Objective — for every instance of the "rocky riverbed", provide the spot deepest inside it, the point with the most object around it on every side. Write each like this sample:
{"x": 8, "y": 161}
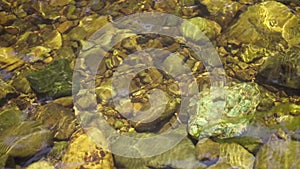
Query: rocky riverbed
{"x": 45, "y": 119}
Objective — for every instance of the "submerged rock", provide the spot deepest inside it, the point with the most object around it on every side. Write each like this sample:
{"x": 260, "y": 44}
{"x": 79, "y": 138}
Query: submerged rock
{"x": 8, "y": 59}
{"x": 23, "y": 140}
{"x": 21, "y": 84}
{"x": 235, "y": 156}
{"x": 60, "y": 120}
{"x": 205, "y": 27}
{"x": 83, "y": 152}
{"x": 52, "y": 39}
{"x": 224, "y": 119}
{"x": 208, "y": 151}
{"x": 6, "y": 89}
{"x": 181, "y": 156}
{"x": 54, "y": 80}
{"x": 10, "y": 117}
{"x": 282, "y": 69}
{"x": 284, "y": 118}
{"x": 222, "y": 11}
{"x": 291, "y": 30}
{"x": 57, "y": 152}
{"x": 267, "y": 26}
{"x": 279, "y": 154}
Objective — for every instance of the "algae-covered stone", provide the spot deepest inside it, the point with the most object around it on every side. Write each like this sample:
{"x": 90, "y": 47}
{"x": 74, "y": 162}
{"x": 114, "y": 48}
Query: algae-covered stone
{"x": 291, "y": 30}
{"x": 92, "y": 23}
{"x": 83, "y": 152}
{"x": 208, "y": 150}
{"x": 283, "y": 69}
{"x": 181, "y": 156}
{"x": 266, "y": 17}
{"x": 285, "y": 116}
{"x": 236, "y": 156}
{"x": 224, "y": 119}
{"x": 60, "y": 120}
{"x": 279, "y": 154}
{"x": 251, "y": 144}
{"x": 262, "y": 27}
{"x": 5, "y": 89}
{"x": 10, "y": 117}
{"x": 204, "y": 27}
{"x": 23, "y": 140}
{"x": 54, "y": 80}
{"x": 222, "y": 11}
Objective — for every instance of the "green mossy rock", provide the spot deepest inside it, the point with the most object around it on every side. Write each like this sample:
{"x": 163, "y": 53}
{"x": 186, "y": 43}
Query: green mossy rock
{"x": 53, "y": 81}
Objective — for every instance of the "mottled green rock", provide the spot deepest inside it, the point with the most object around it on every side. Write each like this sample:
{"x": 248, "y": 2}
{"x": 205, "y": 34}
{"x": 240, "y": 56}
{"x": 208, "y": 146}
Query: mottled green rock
{"x": 54, "y": 80}
{"x": 279, "y": 154}
{"x": 224, "y": 119}
{"x": 205, "y": 27}
{"x": 77, "y": 33}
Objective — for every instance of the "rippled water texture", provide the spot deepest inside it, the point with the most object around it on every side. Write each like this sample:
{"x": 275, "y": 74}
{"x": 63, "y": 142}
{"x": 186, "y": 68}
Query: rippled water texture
{"x": 143, "y": 84}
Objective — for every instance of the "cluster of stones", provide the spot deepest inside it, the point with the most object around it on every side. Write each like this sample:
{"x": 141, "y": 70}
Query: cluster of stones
{"x": 40, "y": 41}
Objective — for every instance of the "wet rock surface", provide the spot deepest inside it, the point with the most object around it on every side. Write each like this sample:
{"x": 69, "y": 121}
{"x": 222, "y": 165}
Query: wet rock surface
{"x": 6, "y": 89}
{"x": 283, "y": 69}
{"x": 60, "y": 120}
{"x": 21, "y": 138}
{"x": 83, "y": 152}
{"x": 224, "y": 118}
{"x": 257, "y": 42}
{"x": 54, "y": 80}
{"x": 183, "y": 155}
{"x": 278, "y": 154}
